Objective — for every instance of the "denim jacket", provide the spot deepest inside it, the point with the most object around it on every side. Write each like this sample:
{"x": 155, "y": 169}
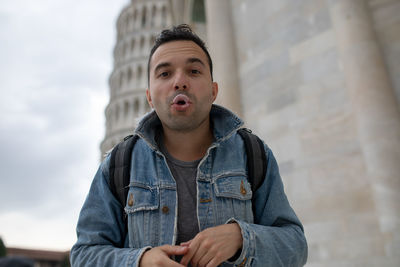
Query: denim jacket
{"x": 273, "y": 236}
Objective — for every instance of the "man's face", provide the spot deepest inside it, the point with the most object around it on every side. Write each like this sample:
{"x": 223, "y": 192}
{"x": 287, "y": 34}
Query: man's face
{"x": 180, "y": 86}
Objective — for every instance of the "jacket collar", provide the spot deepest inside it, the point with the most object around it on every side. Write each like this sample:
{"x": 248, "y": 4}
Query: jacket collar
{"x": 223, "y": 121}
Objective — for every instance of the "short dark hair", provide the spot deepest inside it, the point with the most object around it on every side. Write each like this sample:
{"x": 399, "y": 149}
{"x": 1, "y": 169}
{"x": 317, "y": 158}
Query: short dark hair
{"x": 182, "y": 32}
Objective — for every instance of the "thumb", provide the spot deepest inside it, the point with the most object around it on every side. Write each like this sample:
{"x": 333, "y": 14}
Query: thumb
{"x": 174, "y": 250}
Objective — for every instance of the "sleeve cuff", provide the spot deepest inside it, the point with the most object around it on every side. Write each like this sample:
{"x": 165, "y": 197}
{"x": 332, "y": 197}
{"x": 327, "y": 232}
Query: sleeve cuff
{"x": 138, "y": 257}
{"x": 242, "y": 257}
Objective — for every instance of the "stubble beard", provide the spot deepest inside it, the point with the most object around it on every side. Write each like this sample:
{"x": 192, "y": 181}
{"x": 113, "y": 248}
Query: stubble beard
{"x": 183, "y": 123}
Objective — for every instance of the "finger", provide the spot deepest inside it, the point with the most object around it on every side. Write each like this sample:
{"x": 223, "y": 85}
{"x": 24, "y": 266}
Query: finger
{"x": 174, "y": 264}
{"x": 213, "y": 263}
{"x": 202, "y": 252}
{"x": 187, "y": 243}
{"x": 205, "y": 259}
{"x": 174, "y": 250}
{"x": 193, "y": 246}
{"x": 159, "y": 257}
{"x": 170, "y": 263}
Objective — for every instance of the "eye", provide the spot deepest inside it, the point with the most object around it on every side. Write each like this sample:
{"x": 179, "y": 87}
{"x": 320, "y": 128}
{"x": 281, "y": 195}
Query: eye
{"x": 195, "y": 71}
{"x": 164, "y": 74}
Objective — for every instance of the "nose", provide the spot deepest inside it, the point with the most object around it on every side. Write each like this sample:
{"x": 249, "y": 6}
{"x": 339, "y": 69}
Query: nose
{"x": 183, "y": 87}
{"x": 180, "y": 81}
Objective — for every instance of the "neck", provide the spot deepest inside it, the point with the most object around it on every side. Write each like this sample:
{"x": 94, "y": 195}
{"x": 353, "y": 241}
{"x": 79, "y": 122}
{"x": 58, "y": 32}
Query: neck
{"x": 188, "y": 146}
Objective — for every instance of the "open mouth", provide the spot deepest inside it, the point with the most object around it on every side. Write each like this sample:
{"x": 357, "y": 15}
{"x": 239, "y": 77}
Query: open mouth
{"x": 181, "y": 100}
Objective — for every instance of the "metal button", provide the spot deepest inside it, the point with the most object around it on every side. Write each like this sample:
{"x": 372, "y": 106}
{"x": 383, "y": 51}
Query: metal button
{"x": 130, "y": 200}
{"x": 242, "y": 189}
{"x": 165, "y": 209}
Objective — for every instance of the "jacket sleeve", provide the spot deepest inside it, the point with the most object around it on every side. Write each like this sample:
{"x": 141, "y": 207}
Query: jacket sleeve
{"x": 101, "y": 228}
{"x": 277, "y": 237}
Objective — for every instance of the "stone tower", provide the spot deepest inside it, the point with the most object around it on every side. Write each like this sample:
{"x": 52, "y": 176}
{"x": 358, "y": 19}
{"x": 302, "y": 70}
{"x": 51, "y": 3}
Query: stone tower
{"x": 137, "y": 27}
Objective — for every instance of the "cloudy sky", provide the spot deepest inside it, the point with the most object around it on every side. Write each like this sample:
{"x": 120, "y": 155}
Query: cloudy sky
{"x": 55, "y": 59}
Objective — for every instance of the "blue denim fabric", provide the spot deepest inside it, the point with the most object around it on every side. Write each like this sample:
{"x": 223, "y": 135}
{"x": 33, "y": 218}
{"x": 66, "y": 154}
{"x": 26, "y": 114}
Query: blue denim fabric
{"x": 273, "y": 236}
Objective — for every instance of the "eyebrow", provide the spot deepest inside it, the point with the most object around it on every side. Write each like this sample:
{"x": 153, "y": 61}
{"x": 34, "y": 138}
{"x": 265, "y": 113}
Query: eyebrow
{"x": 194, "y": 60}
{"x": 161, "y": 65}
{"x": 167, "y": 64}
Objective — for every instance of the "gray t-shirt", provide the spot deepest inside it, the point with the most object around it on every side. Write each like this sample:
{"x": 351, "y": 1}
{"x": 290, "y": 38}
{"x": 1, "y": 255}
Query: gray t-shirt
{"x": 184, "y": 174}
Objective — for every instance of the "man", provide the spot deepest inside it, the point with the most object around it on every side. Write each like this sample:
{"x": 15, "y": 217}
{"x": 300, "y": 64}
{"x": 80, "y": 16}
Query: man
{"x": 189, "y": 200}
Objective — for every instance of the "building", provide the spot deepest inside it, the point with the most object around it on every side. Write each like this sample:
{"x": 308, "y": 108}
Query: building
{"x": 319, "y": 81}
{"x": 41, "y": 258}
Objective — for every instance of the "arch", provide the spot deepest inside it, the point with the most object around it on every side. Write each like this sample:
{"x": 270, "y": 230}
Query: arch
{"x": 153, "y": 15}
{"x": 136, "y": 106}
{"x": 164, "y": 16}
{"x": 127, "y": 23}
{"x": 124, "y": 50}
{"x": 139, "y": 75}
{"x": 146, "y": 42}
{"x": 141, "y": 43}
{"x": 123, "y": 24}
{"x": 118, "y": 52}
{"x": 132, "y": 45}
{"x": 144, "y": 16}
{"x": 146, "y": 105}
{"x": 126, "y": 109}
{"x": 121, "y": 79}
{"x": 135, "y": 14}
{"x": 112, "y": 84}
{"x": 116, "y": 112}
{"x": 129, "y": 75}
{"x": 115, "y": 52}
{"x": 119, "y": 30}
{"x": 131, "y": 21}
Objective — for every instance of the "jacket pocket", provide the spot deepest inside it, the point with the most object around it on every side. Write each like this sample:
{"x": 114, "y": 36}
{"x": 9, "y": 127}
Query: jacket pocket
{"x": 233, "y": 198}
{"x": 142, "y": 210}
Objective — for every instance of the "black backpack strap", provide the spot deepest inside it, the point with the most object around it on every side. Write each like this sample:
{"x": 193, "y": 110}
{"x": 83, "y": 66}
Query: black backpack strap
{"x": 120, "y": 166}
{"x": 256, "y": 159}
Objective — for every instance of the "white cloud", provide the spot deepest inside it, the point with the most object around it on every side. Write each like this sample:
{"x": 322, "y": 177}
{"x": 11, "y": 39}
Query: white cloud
{"x": 56, "y": 57}
{"x": 37, "y": 233}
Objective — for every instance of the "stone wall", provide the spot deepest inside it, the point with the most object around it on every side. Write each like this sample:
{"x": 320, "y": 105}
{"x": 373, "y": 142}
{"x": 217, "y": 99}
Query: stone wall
{"x": 296, "y": 95}
{"x": 319, "y": 81}
{"x": 385, "y": 14}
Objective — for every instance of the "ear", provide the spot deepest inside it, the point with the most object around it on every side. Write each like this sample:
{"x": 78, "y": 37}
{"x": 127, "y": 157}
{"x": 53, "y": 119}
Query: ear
{"x": 214, "y": 90}
{"x": 148, "y": 96}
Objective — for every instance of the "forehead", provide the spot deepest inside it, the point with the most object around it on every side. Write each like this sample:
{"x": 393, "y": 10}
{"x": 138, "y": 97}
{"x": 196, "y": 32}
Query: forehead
{"x": 176, "y": 50}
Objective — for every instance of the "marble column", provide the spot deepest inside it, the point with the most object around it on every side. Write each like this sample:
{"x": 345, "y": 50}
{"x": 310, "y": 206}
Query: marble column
{"x": 375, "y": 107}
{"x": 221, "y": 42}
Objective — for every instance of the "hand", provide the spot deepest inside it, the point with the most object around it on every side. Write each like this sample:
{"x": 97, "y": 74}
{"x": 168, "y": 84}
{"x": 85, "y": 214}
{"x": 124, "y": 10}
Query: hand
{"x": 213, "y": 246}
{"x": 160, "y": 256}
